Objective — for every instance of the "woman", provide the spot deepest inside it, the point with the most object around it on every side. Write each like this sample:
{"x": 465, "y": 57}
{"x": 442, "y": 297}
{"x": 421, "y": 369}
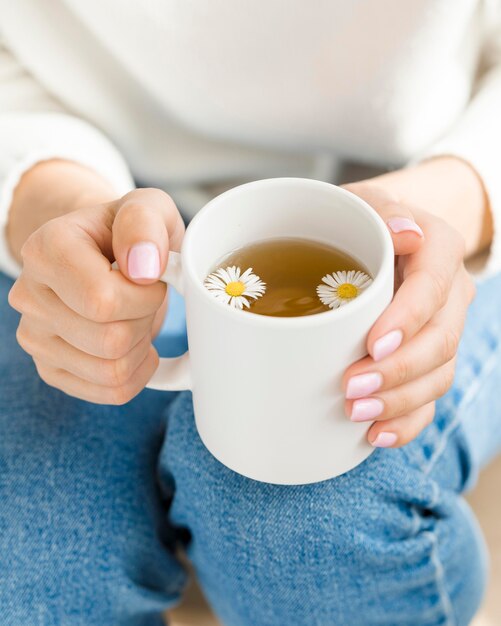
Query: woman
{"x": 189, "y": 98}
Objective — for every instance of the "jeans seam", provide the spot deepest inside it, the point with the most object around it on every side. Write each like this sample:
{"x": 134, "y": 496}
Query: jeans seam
{"x": 443, "y": 594}
{"x": 455, "y": 423}
{"x": 465, "y": 401}
{"x": 440, "y": 580}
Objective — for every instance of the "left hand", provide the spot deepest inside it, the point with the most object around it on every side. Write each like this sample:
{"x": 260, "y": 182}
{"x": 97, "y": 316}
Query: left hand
{"x": 412, "y": 346}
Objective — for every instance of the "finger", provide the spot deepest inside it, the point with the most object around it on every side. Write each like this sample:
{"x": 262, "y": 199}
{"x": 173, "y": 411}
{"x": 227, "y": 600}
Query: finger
{"x": 402, "y": 400}
{"x": 74, "y": 386}
{"x": 428, "y": 277}
{"x": 146, "y": 225}
{"x": 66, "y": 259}
{"x": 57, "y": 353}
{"x": 401, "y": 430}
{"x": 405, "y": 232}
{"x": 42, "y": 308}
{"x": 435, "y": 345}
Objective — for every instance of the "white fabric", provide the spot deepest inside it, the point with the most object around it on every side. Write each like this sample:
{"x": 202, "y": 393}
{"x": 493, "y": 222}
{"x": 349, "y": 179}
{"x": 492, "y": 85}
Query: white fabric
{"x": 194, "y": 93}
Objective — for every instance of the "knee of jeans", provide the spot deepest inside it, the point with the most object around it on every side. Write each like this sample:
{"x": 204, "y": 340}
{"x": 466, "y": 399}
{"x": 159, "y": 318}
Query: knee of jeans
{"x": 81, "y": 515}
{"x": 381, "y": 544}
{"x": 68, "y": 560}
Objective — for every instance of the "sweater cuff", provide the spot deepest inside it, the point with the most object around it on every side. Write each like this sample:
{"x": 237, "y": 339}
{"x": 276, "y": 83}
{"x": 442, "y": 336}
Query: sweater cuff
{"x": 29, "y": 138}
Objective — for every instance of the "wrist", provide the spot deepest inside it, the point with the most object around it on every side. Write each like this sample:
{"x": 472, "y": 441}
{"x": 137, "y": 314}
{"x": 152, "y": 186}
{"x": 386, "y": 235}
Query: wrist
{"x": 449, "y": 188}
{"x": 48, "y": 190}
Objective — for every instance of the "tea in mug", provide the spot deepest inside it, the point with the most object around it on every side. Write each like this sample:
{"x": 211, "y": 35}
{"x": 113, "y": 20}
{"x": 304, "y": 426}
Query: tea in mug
{"x": 287, "y": 277}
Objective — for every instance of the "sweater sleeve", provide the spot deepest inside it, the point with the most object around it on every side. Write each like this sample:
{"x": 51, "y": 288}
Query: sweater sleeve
{"x": 34, "y": 127}
{"x": 476, "y": 137}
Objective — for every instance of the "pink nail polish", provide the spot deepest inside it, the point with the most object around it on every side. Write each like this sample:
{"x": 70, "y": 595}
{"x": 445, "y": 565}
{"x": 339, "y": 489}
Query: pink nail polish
{"x": 387, "y": 344}
{"x": 384, "y": 440}
{"x": 144, "y": 261}
{"x": 403, "y": 224}
{"x": 363, "y": 385}
{"x": 366, "y": 409}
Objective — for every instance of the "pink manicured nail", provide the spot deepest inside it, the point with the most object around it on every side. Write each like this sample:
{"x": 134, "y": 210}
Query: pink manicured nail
{"x": 144, "y": 261}
{"x": 363, "y": 385}
{"x": 384, "y": 440}
{"x": 366, "y": 409}
{"x": 387, "y": 344}
{"x": 402, "y": 224}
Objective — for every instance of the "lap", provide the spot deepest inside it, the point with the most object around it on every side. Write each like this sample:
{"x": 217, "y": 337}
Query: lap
{"x": 389, "y": 543}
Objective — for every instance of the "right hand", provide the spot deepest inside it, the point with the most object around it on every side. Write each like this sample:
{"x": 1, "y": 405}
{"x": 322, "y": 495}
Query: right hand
{"x": 89, "y": 328}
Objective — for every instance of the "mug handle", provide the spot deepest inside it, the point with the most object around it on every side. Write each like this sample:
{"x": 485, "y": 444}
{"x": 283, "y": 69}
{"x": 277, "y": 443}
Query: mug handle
{"x": 172, "y": 374}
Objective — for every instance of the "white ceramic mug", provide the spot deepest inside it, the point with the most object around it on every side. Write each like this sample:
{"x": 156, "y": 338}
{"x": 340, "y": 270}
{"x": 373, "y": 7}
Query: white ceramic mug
{"x": 267, "y": 390}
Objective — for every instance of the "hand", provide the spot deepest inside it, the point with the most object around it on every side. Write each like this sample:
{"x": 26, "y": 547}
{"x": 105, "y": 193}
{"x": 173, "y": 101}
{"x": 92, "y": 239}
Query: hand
{"x": 89, "y": 328}
{"x": 413, "y": 345}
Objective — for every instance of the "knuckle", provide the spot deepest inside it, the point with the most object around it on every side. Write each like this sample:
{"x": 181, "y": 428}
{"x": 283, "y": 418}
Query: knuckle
{"x": 16, "y": 296}
{"x": 129, "y": 212}
{"x": 99, "y": 303}
{"x": 22, "y": 299}
{"x": 121, "y": 395}
{"x": 426, "y": 415}
{"x": 116, "y": 372}
{"x": 400, "y": 406}
{"x": 415, "y": 316}
{"x": 117, "y": 339}
{"x": 32, "y": 247}
{"x": 400, "y": 372}
{"x": 54, "y": 229}
{"x": 429, "y": 416}
{"x": 48, "y": 238}
{"x": 439, "y": 291}
{"x": 450, "y": 344}
{"x": 446, "y": 380}
{"x": 136, "y": 211}
{"x": 24, "y": 340}
{"x": 45, "y": 373}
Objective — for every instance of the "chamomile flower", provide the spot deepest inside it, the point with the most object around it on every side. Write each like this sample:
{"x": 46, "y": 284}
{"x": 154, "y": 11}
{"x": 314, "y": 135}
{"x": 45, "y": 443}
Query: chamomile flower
{"x": 339, "y": 288}
{"x": 230, "y": 286}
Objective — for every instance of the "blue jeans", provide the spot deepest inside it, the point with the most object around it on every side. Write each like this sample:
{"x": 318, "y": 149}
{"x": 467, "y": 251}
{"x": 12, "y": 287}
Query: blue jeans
{"x": 96, "y": 500}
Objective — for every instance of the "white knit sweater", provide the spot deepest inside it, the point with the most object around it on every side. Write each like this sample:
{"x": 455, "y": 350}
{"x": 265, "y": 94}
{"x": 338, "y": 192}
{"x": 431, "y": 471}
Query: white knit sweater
{"x": 181, "y": 94}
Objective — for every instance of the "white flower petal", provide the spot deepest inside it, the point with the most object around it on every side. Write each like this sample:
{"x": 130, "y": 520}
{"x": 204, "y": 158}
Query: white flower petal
{"x": 330, "y": 280}
{"x": 327, "y": 290}
{"x": 216, "y": 284}
{"x": 246, "y": 275}
{"x": 223, "y": 275}
{"x": 340, "y": 277}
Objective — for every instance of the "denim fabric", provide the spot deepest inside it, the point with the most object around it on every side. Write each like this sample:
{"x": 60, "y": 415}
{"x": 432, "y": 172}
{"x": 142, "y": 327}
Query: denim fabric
{"x": 95, "y": 499}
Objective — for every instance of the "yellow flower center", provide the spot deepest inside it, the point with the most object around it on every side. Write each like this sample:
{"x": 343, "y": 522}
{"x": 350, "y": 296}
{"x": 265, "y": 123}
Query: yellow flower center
{"x": 235, "y": 289}
{"x": 347, "y": 291}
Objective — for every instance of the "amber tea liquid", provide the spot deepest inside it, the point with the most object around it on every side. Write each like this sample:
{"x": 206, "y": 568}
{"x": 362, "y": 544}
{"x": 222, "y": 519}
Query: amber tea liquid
{"x": 292, "y": 268}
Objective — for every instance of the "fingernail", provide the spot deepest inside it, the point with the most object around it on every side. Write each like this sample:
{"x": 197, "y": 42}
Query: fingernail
{"x": 387, "y": 344}
{"x": 144, "y": 261}
{"x": 402, "y": 224}
{"x": 366, "y": 409}
{"x": 384, "y": 440}
{"x": 363, "y": 385}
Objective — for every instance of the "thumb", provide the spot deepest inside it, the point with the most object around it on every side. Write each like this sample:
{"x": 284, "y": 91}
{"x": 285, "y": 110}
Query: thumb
{"x": 405, "y": 232}
{"x": 147, "y": 224}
